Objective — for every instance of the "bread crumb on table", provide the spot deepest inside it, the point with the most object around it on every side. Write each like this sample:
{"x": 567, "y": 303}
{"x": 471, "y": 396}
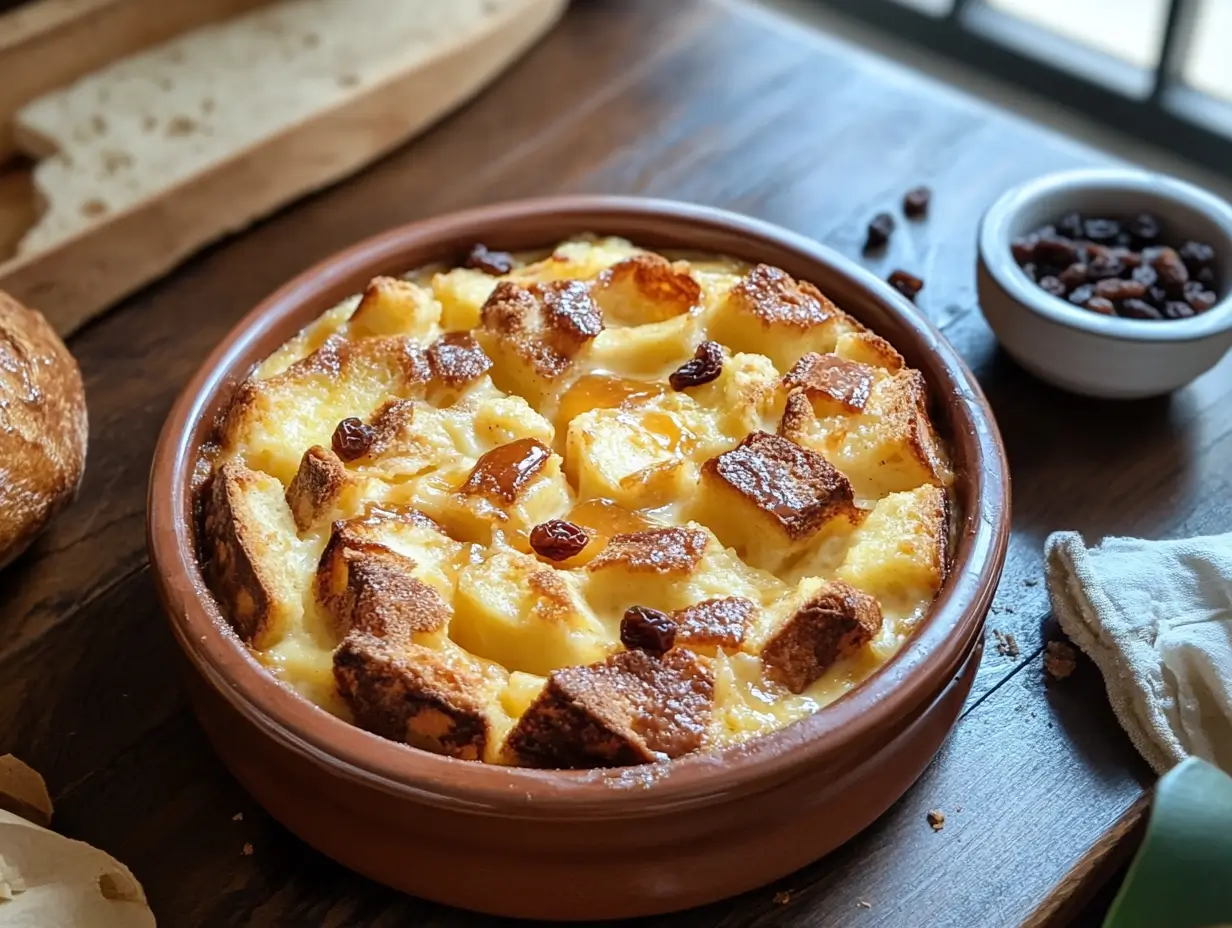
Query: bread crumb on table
{"x": 247, "y": 850}
{"x": 1060, "y": 660}
{"x": 1007, "y": 645}
{"x": 237, "y": 817}
{"x": 782, "y": 898}
{"x": 864, "y": 904}
{"x": 936, "y": 818}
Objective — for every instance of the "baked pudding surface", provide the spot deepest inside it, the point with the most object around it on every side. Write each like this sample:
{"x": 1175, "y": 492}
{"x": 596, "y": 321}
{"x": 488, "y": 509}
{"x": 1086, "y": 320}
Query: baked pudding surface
{"x": 593, "y": 507}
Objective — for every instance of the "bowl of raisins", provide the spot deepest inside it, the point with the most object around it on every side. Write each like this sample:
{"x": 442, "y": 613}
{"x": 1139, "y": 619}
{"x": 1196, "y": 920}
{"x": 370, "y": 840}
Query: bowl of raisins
{"x": 1110, "y": 282}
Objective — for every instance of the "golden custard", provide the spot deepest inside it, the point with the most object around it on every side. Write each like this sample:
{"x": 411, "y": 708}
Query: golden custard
{"x": 590, "y": 508}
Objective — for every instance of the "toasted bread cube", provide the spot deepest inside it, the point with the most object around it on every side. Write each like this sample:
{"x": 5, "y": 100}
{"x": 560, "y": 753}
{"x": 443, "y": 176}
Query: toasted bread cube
{"x": 322, "y": 490}
{"x": 834, "y": 621}
{"x": 645, "y": 288}
{"x": 270, "y": 421}
{"x": 664, "y": 551}
{"x": 391, "y": 306}
{"x": 834, "y": 385}
{"x": 513, "y": 610}
{"x": 768, "y": 496}
{"x": 871, "y": 349}
{"x": 899, "y": 554}
{"x": 629, "y": 709}
{"x": 534, "y": 333}
{"x": 456, "y": 360}
{"x": 367, "y": 587}
{"x": 437, "y": 700}
{"x": 772, "y": 314}
{"x": 631, "y": 456}
{"x": 887, "y": 447}
{"x": 648, "y": 568}
{"x": 714, "y": 623}
{"x": 427, "y": 553}
{"x": 462, "y": 293}
{"x": 254, "y": 559}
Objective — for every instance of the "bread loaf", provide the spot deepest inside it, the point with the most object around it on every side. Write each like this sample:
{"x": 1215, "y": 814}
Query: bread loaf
{"x": 42, "y": 426}
{"x": 142, "y": 125}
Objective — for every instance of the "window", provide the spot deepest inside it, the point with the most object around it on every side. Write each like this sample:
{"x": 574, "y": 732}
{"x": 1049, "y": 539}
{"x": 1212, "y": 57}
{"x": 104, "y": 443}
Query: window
{"x": 1157, "y": 69}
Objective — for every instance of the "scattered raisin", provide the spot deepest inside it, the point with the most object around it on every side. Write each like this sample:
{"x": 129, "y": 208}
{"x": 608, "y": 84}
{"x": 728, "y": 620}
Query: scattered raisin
{"x": 1139, "y": 309}
{"x": 1128, "y": 258}
{"x": 1116, "y": 289}
{"x": 1157, "y": 297}
{"x": 1145, "y": 275}
{"x": 880, "y": 228}
{"x": 906, "y": 284}
{"x": 1123, "y": 239}
{"x": 1031, "y": 271}
{"x": 1073, "y": 276}
{"x": 1101, "y": 305}
{"x": 1024, "y": 248}
{"x": 558, "y": 540}
{"x": 1101, "y": 267}
{"x": 1173, "y": 275}
{"x": 915, "y": 203}
{"x": 1199, "y": 297}
{"x": 1059, "y": 251}
{"x": 646, "y": 629}
{"x": 352, "y": 438}
{"x": 1175, "y": 309}
{"x": 1102, "y": 231}
{"x": 1095, "y": 250}
{"x": 1206, "y": 277}
{"x": 1070, "y": 225}
{"x": 1078, "y": 297}
{"x": 1052, "y": 285}
{"x": 490, "y": 262}
{"x": 705, "y": 366}
{"x": 1197, "y": 255}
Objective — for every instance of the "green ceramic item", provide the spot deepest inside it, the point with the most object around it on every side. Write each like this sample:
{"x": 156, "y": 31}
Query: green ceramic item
{"x": 1182, "y": 874}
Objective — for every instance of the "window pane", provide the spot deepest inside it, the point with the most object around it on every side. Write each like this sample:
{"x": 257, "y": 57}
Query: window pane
{"x": 932, "y": 7}
{"x": 1131, "y": 30}
{"x": 1208, "y": 67}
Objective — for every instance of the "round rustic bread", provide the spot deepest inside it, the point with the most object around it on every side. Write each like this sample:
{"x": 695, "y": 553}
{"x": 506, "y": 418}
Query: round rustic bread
{"x": 42, "y": 426}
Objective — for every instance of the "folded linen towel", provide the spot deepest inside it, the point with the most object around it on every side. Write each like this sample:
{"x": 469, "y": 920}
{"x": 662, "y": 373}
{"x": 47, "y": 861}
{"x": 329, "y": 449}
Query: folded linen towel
{"x": 1156, "y": 617}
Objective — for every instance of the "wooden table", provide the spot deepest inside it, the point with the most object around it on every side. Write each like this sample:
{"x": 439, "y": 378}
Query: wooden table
{"x": 697, "y": 100}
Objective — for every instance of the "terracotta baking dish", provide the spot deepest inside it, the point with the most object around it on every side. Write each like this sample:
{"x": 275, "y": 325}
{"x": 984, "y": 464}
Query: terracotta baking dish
{"x": 593, "y": 844}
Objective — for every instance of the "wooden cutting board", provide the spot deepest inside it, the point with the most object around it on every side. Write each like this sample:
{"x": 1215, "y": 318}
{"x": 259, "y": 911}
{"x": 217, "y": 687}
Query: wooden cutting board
{"x": 49, "y": 43}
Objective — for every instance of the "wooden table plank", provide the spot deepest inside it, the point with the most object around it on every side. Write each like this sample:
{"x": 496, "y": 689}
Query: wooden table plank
{"x": 694, "y": 100}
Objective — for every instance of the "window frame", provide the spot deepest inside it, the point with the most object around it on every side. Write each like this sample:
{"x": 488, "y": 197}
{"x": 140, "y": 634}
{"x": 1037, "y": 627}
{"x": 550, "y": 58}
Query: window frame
{"x": 1154, "y": 105}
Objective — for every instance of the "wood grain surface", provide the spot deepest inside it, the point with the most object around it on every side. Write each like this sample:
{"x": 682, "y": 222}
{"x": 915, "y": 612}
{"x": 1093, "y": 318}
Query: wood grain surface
{"x": 697, "y": 100}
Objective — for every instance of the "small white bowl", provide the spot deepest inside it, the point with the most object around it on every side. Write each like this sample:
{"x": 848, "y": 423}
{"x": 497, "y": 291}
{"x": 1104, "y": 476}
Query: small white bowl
{"x": 1083, "y": 351}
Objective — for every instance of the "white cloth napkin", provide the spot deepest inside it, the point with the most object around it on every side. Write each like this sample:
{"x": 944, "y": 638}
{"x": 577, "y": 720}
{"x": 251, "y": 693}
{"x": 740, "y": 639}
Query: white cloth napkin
{"x": 1156, "y": 617}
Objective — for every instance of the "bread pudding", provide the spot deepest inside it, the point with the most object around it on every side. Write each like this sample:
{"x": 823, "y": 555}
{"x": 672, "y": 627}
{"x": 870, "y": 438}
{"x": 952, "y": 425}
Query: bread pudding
{"x": 593, "y": 507}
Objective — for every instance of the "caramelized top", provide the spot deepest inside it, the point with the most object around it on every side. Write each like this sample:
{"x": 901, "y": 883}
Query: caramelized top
{"x": 501, "y": 474}
{"x": 797, "y": 487}
{"x": 587, "y": 508}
